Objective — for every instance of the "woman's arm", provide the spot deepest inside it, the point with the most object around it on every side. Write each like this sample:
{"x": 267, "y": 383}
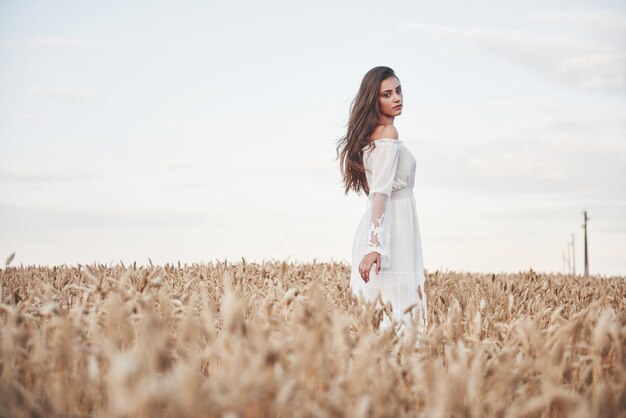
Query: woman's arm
{"x": 384, "y": 163}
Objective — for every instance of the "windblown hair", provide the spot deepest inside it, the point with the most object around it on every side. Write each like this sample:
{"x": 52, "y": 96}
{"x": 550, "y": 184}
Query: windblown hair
{"x": 363, "y": 119}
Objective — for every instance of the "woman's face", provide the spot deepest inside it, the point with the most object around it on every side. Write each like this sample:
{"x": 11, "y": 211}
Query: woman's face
{"x": 390, "y": 97}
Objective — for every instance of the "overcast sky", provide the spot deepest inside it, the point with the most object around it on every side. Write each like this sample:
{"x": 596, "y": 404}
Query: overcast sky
{"x": 197, "y": 131}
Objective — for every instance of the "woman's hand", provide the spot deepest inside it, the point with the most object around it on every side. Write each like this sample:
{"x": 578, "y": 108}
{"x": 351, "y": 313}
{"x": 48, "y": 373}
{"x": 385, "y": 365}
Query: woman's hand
{"x": 366, "y": 265}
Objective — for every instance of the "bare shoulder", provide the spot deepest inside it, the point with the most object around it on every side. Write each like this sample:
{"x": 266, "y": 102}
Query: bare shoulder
{"x": 385, "y": 131}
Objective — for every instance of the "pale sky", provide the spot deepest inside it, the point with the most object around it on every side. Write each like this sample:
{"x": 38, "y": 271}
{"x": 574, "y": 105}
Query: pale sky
{"x": 200, "y": 131}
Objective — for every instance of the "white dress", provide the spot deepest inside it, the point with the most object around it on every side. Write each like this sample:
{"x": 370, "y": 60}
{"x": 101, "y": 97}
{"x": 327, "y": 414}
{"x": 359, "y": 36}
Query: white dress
{"x": 390, "y": 228}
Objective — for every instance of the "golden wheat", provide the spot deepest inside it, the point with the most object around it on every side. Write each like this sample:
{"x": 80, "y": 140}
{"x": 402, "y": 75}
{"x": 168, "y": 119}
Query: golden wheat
{"x": 288, "y": 340}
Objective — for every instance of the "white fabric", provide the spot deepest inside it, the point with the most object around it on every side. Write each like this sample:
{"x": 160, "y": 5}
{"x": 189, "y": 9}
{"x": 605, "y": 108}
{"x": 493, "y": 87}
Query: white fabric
{"x": 390, "y": 227}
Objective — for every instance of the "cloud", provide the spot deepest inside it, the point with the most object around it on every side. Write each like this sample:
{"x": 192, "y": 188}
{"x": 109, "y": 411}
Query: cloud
{"x": 562, "y": 125}
{"x": 575, "y": 167}
{"x": 24, "y": 116}
{"x": 603, "y": 20}
{"x": 75, "y": 95}
{"x": 319, "y": 167}
{"x": 489, "y": 104}
{"x": 605, "y": 215}
{"x": 56, "y": 43}
{"x": 58, "y": 176}
{"x": 309, "y": 168}
{"x": 21, "y": 217}
{"x": 585, "y": 63}
{"x": 170, "y": 166}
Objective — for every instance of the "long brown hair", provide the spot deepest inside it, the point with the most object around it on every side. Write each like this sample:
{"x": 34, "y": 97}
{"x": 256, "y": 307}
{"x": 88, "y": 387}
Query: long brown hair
{"x": 364, "y": 117}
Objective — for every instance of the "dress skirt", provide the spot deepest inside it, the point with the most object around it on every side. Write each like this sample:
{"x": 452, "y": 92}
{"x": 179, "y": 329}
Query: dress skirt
{"x": 402, "y": 282}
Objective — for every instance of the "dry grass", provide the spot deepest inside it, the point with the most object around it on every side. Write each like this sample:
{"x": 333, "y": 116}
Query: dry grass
{"x": 289, "y": 340}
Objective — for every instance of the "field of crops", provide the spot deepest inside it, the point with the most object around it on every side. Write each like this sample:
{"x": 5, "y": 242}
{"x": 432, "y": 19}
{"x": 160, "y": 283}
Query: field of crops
{"x": 289, "y": 340}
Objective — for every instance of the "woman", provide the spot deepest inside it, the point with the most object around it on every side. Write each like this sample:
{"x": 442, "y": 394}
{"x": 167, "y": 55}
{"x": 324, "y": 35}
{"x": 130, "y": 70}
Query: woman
{"x": 374, "y": 160}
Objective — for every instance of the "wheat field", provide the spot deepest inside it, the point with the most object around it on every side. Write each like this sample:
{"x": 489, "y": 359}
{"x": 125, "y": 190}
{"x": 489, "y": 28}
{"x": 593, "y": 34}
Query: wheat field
{"x": 278, "y": 339}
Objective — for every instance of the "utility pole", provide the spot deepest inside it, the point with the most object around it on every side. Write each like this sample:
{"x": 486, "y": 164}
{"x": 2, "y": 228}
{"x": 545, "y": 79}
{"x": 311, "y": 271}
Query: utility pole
{"x": 586, "y": 256}
{"x": 568, "y": 256}
{"x": 573, "y": 257}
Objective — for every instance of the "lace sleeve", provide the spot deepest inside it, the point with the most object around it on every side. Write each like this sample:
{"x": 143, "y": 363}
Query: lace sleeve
{"x": 384, "y": 164}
